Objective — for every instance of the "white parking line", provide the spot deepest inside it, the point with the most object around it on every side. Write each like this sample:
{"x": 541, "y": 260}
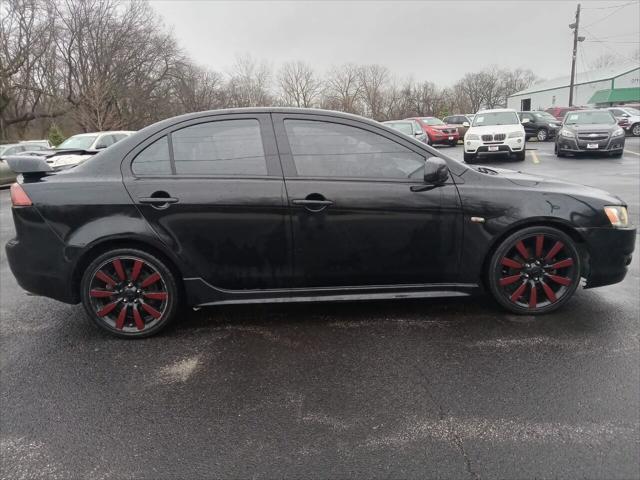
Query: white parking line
{"x": 634, "y": 153}
{"x": 535, "y": 159}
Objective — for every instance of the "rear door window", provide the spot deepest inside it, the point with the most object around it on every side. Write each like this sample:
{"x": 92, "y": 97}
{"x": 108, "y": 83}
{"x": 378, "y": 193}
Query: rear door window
{"x": 223, "y": 147}
{"x": 153, "y": 160}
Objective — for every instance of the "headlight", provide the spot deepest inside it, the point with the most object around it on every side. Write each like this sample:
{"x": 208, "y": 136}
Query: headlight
{"x": 567, "y": 133}
{"x": 472, "y": 136}
{"x": 516, "y": 134}
{"x": 618, "y": 132}
{"x": 617, "y": 215}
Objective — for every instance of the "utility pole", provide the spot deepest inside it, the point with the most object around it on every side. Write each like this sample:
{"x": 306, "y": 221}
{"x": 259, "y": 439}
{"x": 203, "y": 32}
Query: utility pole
{"x": 576, "y": 39}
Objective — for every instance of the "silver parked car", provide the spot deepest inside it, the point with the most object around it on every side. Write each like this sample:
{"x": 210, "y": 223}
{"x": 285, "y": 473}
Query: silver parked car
{"x": 408, "y": 127}
{"x": 7, "y": 176}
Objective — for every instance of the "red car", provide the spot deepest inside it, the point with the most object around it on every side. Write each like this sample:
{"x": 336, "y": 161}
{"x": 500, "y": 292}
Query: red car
{"x": 437, "y": 131}
{"x": 560, "y": 112}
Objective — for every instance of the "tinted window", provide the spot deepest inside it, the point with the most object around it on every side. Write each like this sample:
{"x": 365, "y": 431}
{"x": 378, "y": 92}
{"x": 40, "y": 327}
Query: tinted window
{"x": 404, "y": 127}
{"x": 589, "y": 118}
{"x": 153, "y": 160}
{"x": 324, "y": 149}
{"x": 225, "y": 147}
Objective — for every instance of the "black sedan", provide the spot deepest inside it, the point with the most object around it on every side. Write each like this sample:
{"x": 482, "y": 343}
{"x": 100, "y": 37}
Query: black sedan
{"x": 594, "y": 131}
{"x": 273, "y": 205}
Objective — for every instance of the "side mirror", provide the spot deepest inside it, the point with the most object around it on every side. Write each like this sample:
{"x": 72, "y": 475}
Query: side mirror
{"x": 436, "y": 171}
{"x": 418, "y": 133}
{"x": 101, "y": 146}
{"x": 466, "y": 124}
{"x": 525, "y": 120}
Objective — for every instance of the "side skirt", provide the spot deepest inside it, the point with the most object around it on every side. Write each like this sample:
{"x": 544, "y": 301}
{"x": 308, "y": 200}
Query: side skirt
{"x": 200, "y": 293}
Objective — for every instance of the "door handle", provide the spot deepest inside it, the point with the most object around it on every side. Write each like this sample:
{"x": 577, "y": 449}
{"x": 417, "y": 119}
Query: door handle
{"x": 313, "y": 202}
{"x": 306, "y": 202}
{"x": 159, "y": 200}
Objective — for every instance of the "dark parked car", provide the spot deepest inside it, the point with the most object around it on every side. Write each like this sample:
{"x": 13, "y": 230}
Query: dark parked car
{"x": 272, "y": 205}
{"x": 408, "y": 127}
{"x": 462, "y": 122}
{"x": 595, "y": 131}
{"x": 540, "y": 125}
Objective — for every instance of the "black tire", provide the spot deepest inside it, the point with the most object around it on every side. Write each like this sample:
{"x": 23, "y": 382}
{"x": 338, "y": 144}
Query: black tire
{"x": 558, "y": 152}
{"x": 520, "y": 156}
{"x": 132, "y": 281}
{"x": 543, "y": 281}
{"x": 635, "y": 129}
{"x": 429, "y": 142}
{"x": 469, "y": 157}
{"x": 542, "y": 135}
{"x": 616, "y": 154}
{"x": 453, "y": 143}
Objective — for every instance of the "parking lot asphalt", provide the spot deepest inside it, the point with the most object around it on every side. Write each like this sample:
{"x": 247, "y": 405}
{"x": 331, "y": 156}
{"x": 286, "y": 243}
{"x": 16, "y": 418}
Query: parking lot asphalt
{"x": 453, "y": 388}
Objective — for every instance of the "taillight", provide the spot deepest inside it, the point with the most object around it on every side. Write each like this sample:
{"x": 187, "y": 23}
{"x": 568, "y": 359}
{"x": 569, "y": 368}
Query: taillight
{"x": 19, "y": 197}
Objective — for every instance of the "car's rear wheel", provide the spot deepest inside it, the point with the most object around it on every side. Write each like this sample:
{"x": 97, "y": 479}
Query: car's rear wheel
{"x": 534, "y": 271}
{"x": 635, "y": 130}
{"x": 129, "y": 293}
{"x": 542, "y": 135}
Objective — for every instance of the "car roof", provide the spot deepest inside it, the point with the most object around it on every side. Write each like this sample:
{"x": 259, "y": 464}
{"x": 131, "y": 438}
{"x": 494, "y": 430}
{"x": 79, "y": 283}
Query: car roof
{"x": 497, "y": 110}
{"x": 399, "y": 121}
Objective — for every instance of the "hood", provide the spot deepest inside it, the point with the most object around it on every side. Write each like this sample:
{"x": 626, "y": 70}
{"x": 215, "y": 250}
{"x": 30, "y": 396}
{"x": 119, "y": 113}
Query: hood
{"x": 442, "y": 127}
{"x": 549, "y": 184}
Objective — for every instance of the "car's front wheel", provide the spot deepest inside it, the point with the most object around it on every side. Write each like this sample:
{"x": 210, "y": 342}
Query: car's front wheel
{"x": 129, "y": 293}
{"x": 535, "y": 270}
{"x": 635, "y": 130}
{"x": 469, "y": 157}
{"x": 542, "y": 135}
{"x": 520, "y": 156}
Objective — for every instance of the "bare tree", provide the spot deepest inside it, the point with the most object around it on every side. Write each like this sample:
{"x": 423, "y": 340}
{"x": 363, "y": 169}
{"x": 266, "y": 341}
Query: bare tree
{"x": 249, "y": 83}
{"x": 342, "y": 89}
{"x": 299, "y": 86}
{"x": 603, "y": 61}
{"x": 28, "y": 87}
{"x": 373, "y": 82}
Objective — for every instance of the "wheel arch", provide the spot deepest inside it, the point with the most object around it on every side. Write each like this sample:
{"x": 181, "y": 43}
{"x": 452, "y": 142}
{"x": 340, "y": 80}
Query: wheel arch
{"x": 559, "y": 224}
{"x": 104, "y": 245}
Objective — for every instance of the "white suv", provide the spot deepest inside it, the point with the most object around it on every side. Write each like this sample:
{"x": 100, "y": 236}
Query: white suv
{"x": 497, "y": 131}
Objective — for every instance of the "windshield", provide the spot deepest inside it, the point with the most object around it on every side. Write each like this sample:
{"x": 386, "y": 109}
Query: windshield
{"x": 544, "y": 116}
{"x": 403, "y": 127}
{"x": 432, "y": 121}
{"x": 78, "y": 141}
{"x": 632, "y": 111}
{"x": 589, "y": 118}
{"x": 496, "y": 118}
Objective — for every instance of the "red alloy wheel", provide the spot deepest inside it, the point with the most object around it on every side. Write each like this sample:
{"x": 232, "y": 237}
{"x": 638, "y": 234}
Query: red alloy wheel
{"x": 128, "y": 294}
{"x": 537, "y": 271}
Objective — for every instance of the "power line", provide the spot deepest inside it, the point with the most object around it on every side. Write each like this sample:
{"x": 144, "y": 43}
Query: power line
{"x": 634, "y": 34}
{"x": 607, "y": 41}
{"x": 607, "y": 16}
{"x": 614, "y": 52}
{"x": 610, "y": 6}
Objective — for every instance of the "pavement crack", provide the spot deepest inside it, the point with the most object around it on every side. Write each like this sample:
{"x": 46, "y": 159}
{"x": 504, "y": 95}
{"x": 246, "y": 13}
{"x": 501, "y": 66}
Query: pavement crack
{"x": 455, "y": 437}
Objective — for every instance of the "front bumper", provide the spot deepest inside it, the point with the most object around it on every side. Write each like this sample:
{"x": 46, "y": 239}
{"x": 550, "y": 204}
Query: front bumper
{"x": 609, "y": 254}
{"x": 510, "y": 145}
{"x": 37, "y": 259}
{"x": 440, "y": 137}
{"x": 612, "y": 144}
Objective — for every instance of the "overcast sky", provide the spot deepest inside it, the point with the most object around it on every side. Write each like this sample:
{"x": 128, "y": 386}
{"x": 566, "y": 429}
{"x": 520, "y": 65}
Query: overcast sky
{"x": 428, "y": 40}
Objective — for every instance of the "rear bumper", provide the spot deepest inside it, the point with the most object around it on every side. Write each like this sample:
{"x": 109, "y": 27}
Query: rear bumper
{"x": 37, "y": 260}
{"x": 610, "y": 252}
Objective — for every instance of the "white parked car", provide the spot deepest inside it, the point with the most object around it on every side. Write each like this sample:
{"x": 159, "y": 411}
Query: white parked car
{"x": 496, "y": 131}
{"x": 77, "y": 145}
{"x": 628, "y": 118}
